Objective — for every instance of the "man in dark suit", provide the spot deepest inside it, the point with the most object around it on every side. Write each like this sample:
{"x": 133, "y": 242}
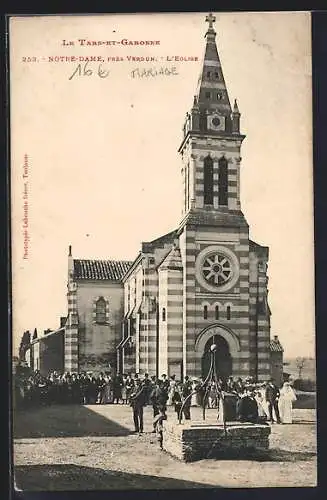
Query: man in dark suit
{"x": 165, "y": 383}
{"x": 147, "y": 385}
{"x": 186, "y": 392}
{"x": 272, "y": 397}
{"x": 138, "y": 399}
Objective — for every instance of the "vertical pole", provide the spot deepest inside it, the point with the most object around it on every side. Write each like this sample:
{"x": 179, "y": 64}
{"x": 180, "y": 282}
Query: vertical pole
{"x": 224, "y": 416}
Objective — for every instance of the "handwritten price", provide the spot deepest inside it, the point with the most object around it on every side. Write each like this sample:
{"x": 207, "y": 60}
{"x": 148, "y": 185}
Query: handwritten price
{"x": 83, "y": 70}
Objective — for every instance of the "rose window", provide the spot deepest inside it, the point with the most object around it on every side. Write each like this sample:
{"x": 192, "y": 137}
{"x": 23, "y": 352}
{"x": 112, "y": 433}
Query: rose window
{"x": 216, "y": 269}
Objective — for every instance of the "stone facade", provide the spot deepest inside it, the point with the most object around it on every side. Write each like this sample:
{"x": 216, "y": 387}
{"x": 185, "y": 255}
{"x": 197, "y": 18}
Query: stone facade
{"x": 97, "y": 342}
{"x": 47, "y": 352}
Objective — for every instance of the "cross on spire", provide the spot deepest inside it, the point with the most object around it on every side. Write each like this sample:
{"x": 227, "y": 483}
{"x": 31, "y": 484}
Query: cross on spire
{"x": 210, "y": 19}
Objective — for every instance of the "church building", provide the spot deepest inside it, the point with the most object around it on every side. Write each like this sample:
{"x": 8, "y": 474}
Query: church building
{"x": 204, "y": 282}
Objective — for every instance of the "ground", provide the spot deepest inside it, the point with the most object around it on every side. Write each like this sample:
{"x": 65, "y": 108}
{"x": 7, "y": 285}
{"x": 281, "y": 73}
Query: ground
{"x": 92, "y": 447}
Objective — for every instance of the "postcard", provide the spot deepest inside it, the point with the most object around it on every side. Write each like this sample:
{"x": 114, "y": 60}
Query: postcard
{"x": 162, "y": 251}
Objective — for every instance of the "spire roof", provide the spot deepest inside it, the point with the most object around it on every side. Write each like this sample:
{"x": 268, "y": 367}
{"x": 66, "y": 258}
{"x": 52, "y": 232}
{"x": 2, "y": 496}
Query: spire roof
{"x": 235, "y": 109}
{"x": 212, "y": 92}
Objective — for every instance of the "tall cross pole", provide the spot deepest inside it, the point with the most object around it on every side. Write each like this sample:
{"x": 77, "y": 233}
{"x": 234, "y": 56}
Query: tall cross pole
{"x": 210, "y": 19}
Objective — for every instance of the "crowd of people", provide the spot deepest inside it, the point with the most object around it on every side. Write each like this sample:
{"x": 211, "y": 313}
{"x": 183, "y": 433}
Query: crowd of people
{"x": 245, "y": 401}
{"x": 73, "y": 388}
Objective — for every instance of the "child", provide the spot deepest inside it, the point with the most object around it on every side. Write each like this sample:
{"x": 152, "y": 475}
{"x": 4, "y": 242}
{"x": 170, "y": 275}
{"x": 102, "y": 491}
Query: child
{"x": 158, "y": 423}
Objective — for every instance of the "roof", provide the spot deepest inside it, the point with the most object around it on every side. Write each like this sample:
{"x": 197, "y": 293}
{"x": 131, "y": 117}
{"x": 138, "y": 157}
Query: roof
{"x": 149, "y": 246}
{"x": 48, "y": 335}
{"x": 173, "y": 260}
{"x": 211, "y": 217}
{"x": 211, "y": 81}
{"x": 260, "y": 250}
{"x": 113, "y": 270}
{"x": 276, "y": 346}
{"x": 133, "y": 265}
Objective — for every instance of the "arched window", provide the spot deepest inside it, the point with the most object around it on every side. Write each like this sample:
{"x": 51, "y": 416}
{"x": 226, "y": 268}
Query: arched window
{"x": 228, "y": 312}
{"x": 223, "y": 182}
{"x": 205, "y": 312}
{"x": 163, "y": 314}
{"x": 217, "y": 312}
{"x": 208, "y": 181}
{"x": 100, "y": 311}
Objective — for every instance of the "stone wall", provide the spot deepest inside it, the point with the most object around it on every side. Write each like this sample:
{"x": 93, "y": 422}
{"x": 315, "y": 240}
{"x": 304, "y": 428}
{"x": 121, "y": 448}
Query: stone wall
{"x": 190, "y": 442}
{"x": 52, "y": 353}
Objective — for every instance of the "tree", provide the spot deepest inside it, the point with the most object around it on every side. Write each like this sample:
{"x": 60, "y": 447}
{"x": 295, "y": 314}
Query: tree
{"x": 24, "y": 345}
{"x": 300, "y": 362}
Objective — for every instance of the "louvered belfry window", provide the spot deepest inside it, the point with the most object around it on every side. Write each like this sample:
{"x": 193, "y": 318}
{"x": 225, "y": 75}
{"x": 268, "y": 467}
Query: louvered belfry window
{"x": 223, "y": 182}
{"x": 100, "y": 311}
{"x": 208, "y": 181}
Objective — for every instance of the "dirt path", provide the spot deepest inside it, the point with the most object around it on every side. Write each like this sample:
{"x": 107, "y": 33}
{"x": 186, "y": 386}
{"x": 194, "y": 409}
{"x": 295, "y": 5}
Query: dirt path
{"x": 69, "y": 448}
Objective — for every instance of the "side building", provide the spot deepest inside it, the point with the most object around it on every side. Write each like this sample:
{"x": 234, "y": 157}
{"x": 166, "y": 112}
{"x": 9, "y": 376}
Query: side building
{"x": 95, "y": 299}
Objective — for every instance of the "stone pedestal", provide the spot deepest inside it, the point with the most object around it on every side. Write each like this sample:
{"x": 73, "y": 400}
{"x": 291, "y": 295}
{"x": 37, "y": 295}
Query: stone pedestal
{"x": 190, "y": 441}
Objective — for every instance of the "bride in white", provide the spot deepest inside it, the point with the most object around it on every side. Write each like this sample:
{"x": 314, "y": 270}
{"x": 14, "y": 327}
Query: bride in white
{"x": 285, "y": 403}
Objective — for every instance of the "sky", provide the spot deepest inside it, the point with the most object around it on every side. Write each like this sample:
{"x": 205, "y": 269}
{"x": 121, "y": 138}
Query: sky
{"x": 102, "y": 171}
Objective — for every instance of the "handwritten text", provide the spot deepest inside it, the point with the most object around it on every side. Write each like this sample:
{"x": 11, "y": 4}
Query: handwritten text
{"x": 84, "y": 70}
{"x": 151, "y": 72}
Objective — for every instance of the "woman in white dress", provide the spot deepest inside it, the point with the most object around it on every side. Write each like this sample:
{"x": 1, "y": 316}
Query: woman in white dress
{"x": 285, "y": 403}
{"x": 194, "y": 398}
{"x": 262, "y": 415}
{"x": 264, "y": 402}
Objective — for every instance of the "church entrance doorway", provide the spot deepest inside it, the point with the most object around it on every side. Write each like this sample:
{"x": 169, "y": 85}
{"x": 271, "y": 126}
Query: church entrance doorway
{"x": 223, "y": 357}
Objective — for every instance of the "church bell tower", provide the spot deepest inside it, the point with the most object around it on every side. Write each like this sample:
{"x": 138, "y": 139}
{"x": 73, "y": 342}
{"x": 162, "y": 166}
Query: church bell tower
{"x": 211, "y": 140}
{"x": 224, "y": 273}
